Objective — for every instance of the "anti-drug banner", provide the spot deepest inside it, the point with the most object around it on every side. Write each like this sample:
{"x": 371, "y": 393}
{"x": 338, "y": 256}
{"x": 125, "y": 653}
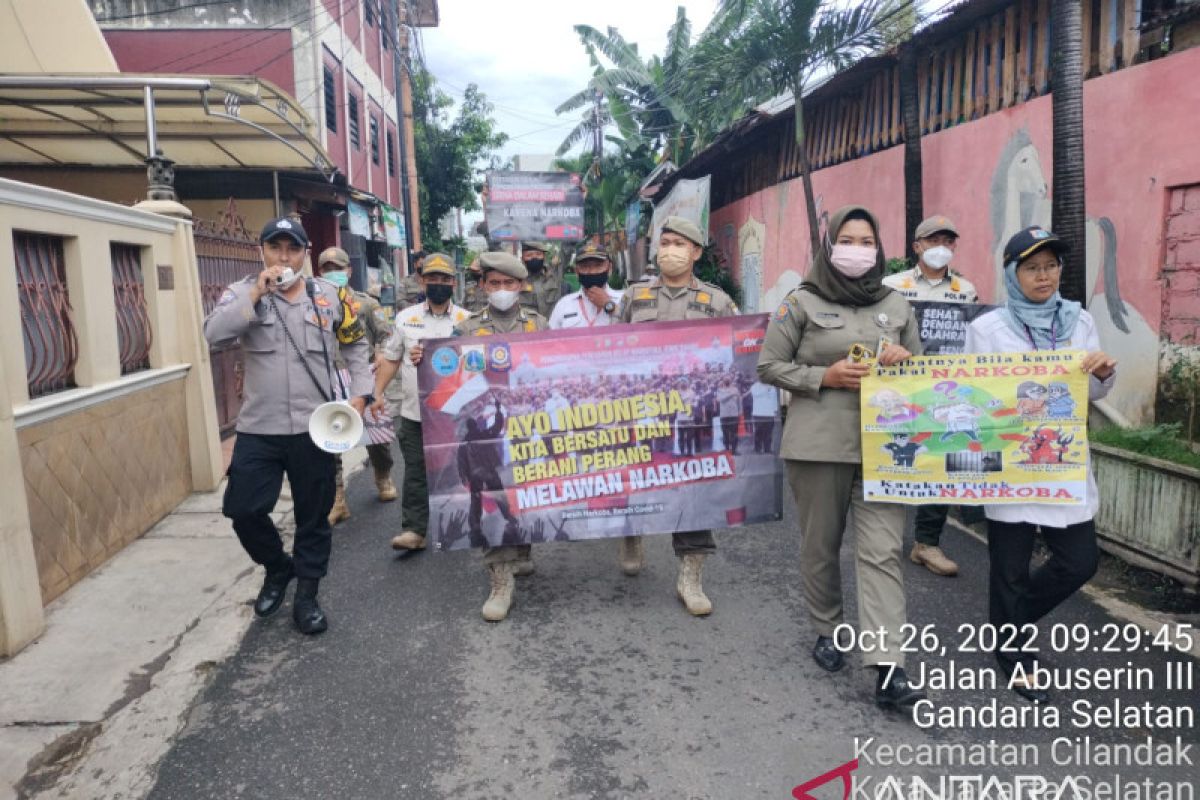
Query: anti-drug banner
{"x": 593, "y": 433}
{"x": 943, "y": 326}
{"x": 545, "y": 206}
{"x": 977, "y": 429}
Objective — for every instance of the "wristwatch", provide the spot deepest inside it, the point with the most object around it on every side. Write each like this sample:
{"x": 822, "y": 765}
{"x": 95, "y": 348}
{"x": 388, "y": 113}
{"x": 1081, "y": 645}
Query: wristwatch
{"x": 610, "y": 307}
{"x": 368, "y": 398}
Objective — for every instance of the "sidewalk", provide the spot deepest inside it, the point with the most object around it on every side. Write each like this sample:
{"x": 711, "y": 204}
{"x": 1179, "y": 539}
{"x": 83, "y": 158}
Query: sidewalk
{"x": 90, "y": 707}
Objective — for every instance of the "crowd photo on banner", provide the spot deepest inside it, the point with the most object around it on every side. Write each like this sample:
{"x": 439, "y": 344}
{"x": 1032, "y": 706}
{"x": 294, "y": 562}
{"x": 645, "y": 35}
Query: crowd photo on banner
{"x": 528, "y": 411}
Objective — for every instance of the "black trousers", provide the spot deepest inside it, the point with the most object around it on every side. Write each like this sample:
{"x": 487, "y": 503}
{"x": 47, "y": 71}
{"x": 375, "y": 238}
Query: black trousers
{"x": 414, "y": 497}
{"x": 1017, "y": 596}
{"x": 930, "y": 521}
{"x": 255, "y": 478}
{"x": 729, "y": 432}
{"x": 764, "y": 428}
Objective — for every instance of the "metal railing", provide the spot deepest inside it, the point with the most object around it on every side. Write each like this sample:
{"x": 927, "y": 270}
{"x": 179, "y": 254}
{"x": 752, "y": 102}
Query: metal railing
{"x": 133, "y": 322}
{"x": 51, "y": 346}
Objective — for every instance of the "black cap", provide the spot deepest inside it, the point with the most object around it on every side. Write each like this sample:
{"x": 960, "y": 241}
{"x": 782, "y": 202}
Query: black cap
{"x": 1025, "y": 243}
{"x": 284, "y": 226}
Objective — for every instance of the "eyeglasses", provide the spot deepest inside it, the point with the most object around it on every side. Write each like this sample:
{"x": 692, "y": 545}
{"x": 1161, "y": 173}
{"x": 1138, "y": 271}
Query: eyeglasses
{"x": 1045, "y": 269}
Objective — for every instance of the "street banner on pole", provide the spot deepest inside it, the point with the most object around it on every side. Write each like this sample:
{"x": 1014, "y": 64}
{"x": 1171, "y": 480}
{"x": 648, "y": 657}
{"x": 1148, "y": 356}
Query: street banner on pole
{"x": 688, "y": 199}
{"x": 585, "y": 434}
{"x": 943, "y": 326}
{"x": 975, "y": 429}
{"x": 544, "y": 206}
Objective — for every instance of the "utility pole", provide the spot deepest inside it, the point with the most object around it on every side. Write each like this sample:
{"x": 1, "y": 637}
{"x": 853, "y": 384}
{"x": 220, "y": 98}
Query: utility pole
{"x": 401, "y": 75}
{"x": 597, "y": 154}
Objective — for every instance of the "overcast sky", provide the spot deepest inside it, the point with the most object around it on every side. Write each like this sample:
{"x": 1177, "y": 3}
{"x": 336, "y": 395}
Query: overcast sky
{"x": 526, "y": 57}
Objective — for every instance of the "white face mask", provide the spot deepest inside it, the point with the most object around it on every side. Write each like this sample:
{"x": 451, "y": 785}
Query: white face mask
{"x": 937, "y": 257}
{"x": 287, "y": 278}
{"x": 674, "y": 261}
{"x": 503, "y": 299}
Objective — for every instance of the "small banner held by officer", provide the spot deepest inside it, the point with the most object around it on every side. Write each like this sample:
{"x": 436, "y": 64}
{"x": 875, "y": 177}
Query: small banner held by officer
{"x": 586, "y": 434}
{"x": 545, "y": 206}
{"x": 943, "y": 326}
{"x": 974, "y": 429}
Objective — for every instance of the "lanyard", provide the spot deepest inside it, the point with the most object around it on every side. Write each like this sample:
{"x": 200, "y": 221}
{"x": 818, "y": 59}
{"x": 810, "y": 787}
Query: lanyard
{"x": 583, "y": 304}
{"x": 1053, "y": 336}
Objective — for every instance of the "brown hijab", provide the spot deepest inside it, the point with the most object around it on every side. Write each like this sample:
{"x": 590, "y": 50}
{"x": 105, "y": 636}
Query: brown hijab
{"x": 827, "y": 283}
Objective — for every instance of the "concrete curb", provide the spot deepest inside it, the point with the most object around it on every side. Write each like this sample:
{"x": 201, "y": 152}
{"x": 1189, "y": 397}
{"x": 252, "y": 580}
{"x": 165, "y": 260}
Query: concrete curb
{"x": 89, "y": 709}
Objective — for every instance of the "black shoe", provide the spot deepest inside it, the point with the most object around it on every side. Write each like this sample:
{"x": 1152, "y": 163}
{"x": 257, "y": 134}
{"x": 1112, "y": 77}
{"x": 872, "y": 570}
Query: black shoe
{"x": 1030, "y": 693}
{"x": 306, "y": 612}
{"x": 274, "y": 587}
{"x": 828, "y": 657}
{"x": 897, "y": 694}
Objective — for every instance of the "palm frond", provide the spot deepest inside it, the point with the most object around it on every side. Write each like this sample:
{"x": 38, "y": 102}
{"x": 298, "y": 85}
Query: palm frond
{"x": 612, "y": 45}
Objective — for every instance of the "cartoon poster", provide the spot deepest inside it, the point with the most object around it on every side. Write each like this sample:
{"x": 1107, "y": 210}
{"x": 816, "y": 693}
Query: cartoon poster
{"x": 977, "y": 429}
{"x": 593, "y": 433}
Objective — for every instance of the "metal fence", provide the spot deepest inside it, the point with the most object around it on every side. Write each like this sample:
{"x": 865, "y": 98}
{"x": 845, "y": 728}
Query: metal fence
{"x": 133, "y": 322}
{"x": 51, "y": 345}
{"x": 226, "y": 252}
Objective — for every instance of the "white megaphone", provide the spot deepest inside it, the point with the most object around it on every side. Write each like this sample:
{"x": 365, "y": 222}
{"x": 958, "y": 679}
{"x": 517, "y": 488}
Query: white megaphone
{"x": 335, "y": 427}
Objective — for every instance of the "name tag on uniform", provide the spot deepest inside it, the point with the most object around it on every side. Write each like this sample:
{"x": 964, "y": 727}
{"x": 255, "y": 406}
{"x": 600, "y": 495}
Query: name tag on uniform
{"x": 572, "y": 314}
{"x": 640, "y": 303}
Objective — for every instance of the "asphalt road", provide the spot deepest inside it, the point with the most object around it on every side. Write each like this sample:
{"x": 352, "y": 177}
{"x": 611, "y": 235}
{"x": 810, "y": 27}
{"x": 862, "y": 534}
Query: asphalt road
{"x": 597, "y": 686}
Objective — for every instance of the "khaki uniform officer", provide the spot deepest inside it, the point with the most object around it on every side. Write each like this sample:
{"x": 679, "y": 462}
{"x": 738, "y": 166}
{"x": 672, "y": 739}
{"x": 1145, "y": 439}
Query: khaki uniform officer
{"x": 289, "y": 329}
{"x": 932, "y": 280}
{"x": 474, "y": 298}
{"x": 841, "y": 303}
{"x": 676, "y": 294}
{"x": 334, "y": 266}
{"x": 542, "y": 288}
{"x": 502, "y": 278}
{"x": 433, "y": 318}
{"x": 409, "y": 291}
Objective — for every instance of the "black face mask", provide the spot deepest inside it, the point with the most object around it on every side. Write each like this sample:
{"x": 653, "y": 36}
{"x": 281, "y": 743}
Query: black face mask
{"x": 592, "y": 281}
{"x": 535, "y": 264}
{"x": 439, "y": 293}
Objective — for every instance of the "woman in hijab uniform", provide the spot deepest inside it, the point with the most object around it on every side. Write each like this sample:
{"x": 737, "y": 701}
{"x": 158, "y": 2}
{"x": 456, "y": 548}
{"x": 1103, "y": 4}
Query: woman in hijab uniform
{"x": 1036, "y": 317}
{"x": 843, "y": 303}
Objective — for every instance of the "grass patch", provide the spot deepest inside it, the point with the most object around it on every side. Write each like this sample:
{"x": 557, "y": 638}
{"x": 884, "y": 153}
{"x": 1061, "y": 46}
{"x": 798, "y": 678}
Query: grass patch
{"x": 1157, "y": 441}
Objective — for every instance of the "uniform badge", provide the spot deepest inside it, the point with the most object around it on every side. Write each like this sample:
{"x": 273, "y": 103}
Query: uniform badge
{"x": 321, "y": 301}
{"x": 703, "y": 297}
{"x": 781, "y": 312}
{"x": 645, "y": 293}
{"x": 528, "y": 287}
{"x": 227, "y": 298}
{"x": 882, "y": 319}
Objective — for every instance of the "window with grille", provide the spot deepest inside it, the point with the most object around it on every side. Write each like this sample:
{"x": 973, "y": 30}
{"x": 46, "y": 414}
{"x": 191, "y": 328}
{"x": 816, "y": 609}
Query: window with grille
{"x": 47, "y": 328}
{"x": 374, "y": 139}
{"x": 331, "y": 103}
{"x": 133, "y": 322}
{"x": 355, "y": 133}
{"x": 391, "y": 155}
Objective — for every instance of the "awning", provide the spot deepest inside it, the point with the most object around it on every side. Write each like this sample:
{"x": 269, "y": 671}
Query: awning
{"x": 116, "y": 121}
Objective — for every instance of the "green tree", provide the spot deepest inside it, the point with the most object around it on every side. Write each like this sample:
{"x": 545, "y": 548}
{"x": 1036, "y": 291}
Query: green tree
{"x": 453, "y": 148}
{"x": 755, "y": 50}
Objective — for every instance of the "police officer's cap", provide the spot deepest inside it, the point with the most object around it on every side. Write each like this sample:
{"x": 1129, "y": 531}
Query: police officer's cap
{"x": 284, "y": 226}
{"x": 1025, "y": 243}
{"x": 935, "y": 224}
{"x": 333, "y": 255}
{"x": 538, "y": 246}
{"x": 438, "y": 264}
{"x": 685, "y": 228}
{"x": 591, "y": 252}
{"x": 504, "y": 263}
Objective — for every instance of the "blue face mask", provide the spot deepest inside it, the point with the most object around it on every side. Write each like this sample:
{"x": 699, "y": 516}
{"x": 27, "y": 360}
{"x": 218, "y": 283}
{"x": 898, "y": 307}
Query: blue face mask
{"x": 338, "y": 277}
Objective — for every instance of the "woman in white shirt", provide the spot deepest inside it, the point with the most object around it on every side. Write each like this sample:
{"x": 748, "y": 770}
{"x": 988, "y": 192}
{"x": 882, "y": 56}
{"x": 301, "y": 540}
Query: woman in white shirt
{"x": 1036, "y": 317}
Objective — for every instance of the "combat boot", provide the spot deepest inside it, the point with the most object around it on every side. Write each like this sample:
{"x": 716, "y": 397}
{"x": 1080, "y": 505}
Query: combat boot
{"x": 504, "y": 585}
{"x": 385, "y": 487}
{"x": 524, "y": 568}
{"x": 409, "y": 540}
{"x": 340, "y": 511}
{"x": 688, "y": 585}
{"x": 933, "y": 559}
{"x": 306, "y": 612}
{"x": 631, "y": 554}
{"x": 274, "y": 587}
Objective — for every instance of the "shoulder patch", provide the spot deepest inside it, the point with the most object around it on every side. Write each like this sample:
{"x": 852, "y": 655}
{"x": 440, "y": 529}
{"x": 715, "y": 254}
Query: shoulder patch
{"x": 227, "y": 298}
{"x": 782, "y": 312}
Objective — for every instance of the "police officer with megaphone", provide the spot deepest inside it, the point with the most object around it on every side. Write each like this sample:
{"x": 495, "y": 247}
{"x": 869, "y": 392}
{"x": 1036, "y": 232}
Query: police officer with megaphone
{"x": 290, "y": 328}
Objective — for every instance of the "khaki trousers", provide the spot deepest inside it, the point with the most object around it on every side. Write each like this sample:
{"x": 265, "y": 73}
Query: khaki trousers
{"x": 825, "y": 493}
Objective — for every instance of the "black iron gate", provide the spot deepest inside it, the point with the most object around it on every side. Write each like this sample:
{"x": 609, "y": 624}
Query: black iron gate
{"x": 226, "y": 252}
